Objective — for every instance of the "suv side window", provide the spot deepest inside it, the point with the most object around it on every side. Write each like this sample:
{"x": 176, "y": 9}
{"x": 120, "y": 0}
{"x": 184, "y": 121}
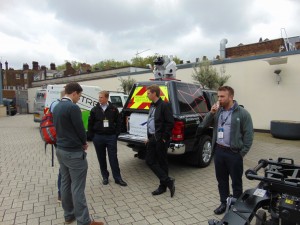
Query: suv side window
{"x": 190, "y": 98}
{"x": 116, "y": 101}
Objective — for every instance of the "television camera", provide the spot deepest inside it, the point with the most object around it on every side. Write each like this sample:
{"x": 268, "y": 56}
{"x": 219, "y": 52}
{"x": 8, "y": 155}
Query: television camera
{"x": 275, "y": 201}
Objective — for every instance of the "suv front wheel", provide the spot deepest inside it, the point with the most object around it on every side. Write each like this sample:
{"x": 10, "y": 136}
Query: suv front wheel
{"x": 203, "y": 152}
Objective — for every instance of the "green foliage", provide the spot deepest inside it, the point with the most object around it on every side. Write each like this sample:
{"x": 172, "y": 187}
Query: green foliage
{"x": 110, "y": 64}
{"x": 208, "y": 76}
{"x": 74, "y": 64}
{"x": 143, "y": 62}
{"x": 126, "y": 84}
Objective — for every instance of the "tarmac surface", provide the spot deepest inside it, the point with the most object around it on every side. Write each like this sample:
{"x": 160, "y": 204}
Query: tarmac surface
{"x": 28, "y": 188}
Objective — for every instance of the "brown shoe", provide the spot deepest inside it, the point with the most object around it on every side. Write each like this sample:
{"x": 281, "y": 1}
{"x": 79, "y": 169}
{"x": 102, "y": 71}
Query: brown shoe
{"x": 70, "y": 221}
{"x": 96, "y": 223}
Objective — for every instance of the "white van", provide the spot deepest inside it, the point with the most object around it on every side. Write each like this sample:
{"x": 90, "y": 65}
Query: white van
{"x": 89, "y": 98}
{"x": 39, "y": 105}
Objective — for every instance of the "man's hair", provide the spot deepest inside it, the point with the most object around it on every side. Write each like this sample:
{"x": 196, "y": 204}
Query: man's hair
{"x": 154, "y": 88}
{"x": 105, "y": 93}
{"x": 227, "y": 88}
{"x": 71, "y": 87}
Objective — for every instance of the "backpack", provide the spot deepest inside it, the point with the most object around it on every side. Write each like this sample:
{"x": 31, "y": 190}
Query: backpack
{"x": 47, "y": 130}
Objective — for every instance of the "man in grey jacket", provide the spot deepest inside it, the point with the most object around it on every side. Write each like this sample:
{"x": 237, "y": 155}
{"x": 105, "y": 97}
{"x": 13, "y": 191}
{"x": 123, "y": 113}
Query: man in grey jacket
{"x": 70, "y": 151}
{"x": 232, "y": 139}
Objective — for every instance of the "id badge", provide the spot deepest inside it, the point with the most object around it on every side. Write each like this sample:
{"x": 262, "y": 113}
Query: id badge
{"x": 221, "y": 133}
{"x": 105, "y": 123}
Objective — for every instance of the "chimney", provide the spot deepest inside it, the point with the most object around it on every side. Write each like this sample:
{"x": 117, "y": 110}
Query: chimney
{"x": 25, "y": 66}
{"x": 52, "y": 66}
{"x": 44, "y": 69}
{"x": 6, "y": 65}
{"x": 223, "y": 43}
{"x": 35, "y": 65}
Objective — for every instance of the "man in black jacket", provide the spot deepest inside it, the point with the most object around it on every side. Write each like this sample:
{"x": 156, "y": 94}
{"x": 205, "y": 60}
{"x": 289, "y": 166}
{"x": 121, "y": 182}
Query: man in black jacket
{"x": 104, "y": 127}
{"x": 160, "y": 124}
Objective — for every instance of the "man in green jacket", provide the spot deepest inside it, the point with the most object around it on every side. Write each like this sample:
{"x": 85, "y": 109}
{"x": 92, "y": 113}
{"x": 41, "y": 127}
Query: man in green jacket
{"x": 232, "y": 139}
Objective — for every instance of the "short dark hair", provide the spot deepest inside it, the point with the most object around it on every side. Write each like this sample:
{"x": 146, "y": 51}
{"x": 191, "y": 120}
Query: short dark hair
{"x": 154, "y": 88}
{"x": 71, "y": 87}
{"x": 227, "y": 88}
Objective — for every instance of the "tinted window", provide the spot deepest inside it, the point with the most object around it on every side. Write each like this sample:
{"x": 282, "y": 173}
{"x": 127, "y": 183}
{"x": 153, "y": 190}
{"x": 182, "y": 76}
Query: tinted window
{"x": 190, "y": 98}
{"x": 116, "y": 101}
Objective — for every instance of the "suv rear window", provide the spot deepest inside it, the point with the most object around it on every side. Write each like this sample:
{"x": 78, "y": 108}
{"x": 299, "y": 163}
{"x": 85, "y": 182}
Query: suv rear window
{"x": 139, "y": 99}
{"x": 190, "y": 98}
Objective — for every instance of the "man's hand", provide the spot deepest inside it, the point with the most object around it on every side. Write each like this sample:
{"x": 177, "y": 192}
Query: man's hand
{"x": 85, "y": 147}
{"x": 146, "y": 141}
{"x": 215, "y": 108}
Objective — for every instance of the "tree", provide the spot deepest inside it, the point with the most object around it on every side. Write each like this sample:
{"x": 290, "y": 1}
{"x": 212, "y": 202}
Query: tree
{"x": 126, "y": 84}
{"x": 110, "y": 64}
{"x": 208, "y": 76}
{"x": 75, "y": 65}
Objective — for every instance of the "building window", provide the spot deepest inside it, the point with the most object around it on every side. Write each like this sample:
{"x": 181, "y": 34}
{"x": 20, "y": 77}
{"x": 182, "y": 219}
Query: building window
{"x": 18, "y": 76}
{"x": 25, "y": 75}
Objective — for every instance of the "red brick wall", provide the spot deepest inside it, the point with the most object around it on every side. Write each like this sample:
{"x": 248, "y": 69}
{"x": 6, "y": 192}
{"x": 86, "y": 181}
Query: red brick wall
{"x": 260, "y": 48}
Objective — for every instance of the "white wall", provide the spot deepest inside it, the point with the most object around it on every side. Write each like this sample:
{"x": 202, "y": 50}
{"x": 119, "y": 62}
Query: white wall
{"x": 255, "y": 87}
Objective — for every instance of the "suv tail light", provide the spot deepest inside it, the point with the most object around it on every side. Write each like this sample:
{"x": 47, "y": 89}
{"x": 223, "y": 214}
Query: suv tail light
{"x": 178, "y": 131}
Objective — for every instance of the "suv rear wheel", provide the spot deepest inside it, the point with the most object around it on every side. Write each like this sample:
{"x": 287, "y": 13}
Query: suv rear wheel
{"x": 203, "y": 153}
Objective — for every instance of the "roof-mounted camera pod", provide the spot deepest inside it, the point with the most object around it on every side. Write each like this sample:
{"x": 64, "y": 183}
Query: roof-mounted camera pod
{"x": 164, "y": 68}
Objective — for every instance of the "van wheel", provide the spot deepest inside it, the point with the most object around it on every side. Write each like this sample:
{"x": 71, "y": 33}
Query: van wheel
{"x": 203, "y": 153}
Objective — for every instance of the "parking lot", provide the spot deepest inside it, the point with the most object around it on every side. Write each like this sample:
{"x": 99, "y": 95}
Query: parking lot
{"x": 28, "y": 189}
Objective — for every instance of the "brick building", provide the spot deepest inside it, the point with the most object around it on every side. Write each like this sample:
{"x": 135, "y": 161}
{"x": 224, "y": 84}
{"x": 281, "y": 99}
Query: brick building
{"x": 263, "y": 47}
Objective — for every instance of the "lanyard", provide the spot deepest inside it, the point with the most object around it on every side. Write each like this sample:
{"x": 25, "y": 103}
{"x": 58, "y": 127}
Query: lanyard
{"x": 224, "y": 121}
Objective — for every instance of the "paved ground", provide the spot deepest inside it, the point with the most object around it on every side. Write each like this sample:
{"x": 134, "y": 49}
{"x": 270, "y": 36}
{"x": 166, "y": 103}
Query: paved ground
{"x": 28, "y": 190}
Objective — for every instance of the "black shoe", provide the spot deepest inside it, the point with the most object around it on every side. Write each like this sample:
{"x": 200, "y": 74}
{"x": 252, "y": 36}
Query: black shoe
{"x": 159, "y": 191}
{"x": 105, "y": 181}
{"x": 221, "y": 209}
{"x": 171, "y": 186}
{"x": 121, "y": 182}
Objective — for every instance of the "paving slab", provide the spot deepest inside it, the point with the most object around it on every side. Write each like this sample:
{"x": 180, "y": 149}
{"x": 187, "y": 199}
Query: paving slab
{"x": 28, "y": 183}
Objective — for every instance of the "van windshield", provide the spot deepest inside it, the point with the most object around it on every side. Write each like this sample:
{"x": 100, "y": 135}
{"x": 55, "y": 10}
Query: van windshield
{"x": 40, "y": 96}
{"x": 116, "y": 101}
{"x": 139, "y": 99}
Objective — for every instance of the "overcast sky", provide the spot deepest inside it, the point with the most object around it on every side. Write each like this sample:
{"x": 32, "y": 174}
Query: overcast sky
{"x": 94, "y": 30}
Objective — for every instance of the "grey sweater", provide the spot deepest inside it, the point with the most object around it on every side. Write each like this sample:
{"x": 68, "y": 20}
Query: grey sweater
{"x": 70, "y": 132}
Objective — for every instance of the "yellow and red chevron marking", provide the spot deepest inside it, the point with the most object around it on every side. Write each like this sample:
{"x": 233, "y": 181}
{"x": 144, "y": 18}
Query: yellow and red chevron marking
{"x": 139, "y": 99}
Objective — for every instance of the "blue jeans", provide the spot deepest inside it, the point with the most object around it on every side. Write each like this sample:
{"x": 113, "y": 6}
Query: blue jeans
{"x": 102, "y": 143}
{"x": 73, "y": 168}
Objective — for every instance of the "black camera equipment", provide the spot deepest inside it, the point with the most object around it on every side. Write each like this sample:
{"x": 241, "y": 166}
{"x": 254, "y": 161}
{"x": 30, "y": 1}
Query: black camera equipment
{"x": 275, "y": 201}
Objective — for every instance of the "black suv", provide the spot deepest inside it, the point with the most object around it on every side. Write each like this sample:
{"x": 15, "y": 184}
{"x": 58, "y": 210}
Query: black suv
{"x": 189, "y": 104}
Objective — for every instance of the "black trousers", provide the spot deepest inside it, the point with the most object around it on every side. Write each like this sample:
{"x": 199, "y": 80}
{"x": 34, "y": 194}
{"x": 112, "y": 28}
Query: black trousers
{"x": 157, "y": 160}
{"x": 228, "y": 163}
{"x": 109, "y": 143}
